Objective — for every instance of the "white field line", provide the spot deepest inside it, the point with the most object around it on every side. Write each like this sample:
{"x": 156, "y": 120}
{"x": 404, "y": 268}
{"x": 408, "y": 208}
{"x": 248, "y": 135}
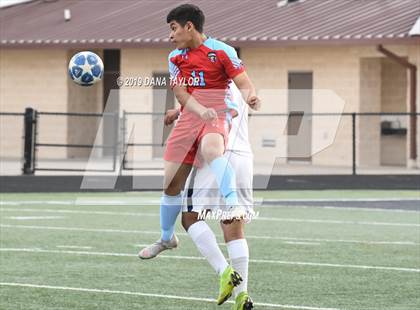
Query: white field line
{"x": 259, "y": 218}
{"x": 78, "y": 202}
{"x": 147, "y": 244}
{"x": 297, "y": 220}
{"x": 67, "y": 211}
{"x": 141, "y": 245}
{"x": 363, "y": 209}
{"x": 73, "y": 247}
{"x": 25, "y": 218}
{"x": 150, "y": 232}
{"x": 139, "y": 202}
{"x": 335, "y": 208}
{"x": 261, "y": 261}
{"x": 302, "y": 243}
{"x": 35, "y": 202}
{"x": 105, "y": 291}
{"x": 341, "y": 199}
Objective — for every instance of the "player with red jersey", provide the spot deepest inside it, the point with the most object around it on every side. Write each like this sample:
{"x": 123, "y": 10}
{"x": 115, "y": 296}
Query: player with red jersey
{"x": 201, "y": 69}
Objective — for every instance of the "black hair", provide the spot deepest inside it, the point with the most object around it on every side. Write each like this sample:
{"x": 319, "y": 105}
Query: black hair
{"x": 187, "y": 13}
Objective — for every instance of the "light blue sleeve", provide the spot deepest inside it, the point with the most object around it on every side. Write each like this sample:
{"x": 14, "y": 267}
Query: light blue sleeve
{"x": 230, "y": 100}
{"x": 173, "y": 69}
{"x": 229, "y": 50}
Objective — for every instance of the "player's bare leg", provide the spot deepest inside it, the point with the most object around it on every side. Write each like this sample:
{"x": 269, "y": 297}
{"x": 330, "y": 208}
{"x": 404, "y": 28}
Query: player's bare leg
{"x": 237, "y": 246}
{"x": 212, "y": 148}
{"x": 175, "y": 177}
{"x": 171, "y": 201}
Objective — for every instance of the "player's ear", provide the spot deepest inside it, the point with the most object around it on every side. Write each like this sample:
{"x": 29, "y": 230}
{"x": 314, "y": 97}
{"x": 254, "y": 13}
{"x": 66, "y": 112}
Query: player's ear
{"x": 190, "y": 26}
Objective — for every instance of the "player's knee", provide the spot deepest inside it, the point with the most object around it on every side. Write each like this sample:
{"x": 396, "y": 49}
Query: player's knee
{"x": 233, "y": 230}
{"x": 212, "y": 153}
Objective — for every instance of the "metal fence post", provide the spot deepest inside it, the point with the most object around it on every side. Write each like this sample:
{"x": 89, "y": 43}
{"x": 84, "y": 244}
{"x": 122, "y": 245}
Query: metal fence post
{"x": 116, "y": 140}
{"x": 353, "y": 125}
{"x": 124, "y": 131}
{"x": 29, "y": 144}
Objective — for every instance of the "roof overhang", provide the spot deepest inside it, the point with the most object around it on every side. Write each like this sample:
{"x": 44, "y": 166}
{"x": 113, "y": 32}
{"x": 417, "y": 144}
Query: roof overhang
{"x": 238, "y": 42}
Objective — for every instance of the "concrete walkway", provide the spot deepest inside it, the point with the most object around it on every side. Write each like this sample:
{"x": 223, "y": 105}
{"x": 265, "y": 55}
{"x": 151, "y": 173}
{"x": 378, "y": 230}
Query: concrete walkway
{"x": 155, "y": 168}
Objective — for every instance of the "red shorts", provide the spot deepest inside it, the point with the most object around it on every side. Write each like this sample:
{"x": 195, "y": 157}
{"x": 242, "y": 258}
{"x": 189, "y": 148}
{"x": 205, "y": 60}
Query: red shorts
{"x": 183, "y": 144}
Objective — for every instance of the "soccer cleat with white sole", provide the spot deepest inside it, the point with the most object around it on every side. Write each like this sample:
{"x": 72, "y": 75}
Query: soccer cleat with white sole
{"x": 159, "y": 246}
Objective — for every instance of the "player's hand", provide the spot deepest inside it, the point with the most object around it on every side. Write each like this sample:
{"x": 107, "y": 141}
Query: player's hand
{"x": 171, "y": 116}
{"x": 254, "y": 102}
{"x": 209, "y": 114}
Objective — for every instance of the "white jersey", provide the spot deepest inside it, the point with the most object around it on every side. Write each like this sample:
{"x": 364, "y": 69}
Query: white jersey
{"x": 238, "y": 136}
{"x": 201, "y": 189}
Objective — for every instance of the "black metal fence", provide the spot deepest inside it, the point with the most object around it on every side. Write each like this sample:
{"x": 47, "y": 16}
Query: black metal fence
{"x": 386, "y": 127}
{"x": 127, "y": 144}
{"x": 119, "y": 144}
{"x": 32, "y": 119}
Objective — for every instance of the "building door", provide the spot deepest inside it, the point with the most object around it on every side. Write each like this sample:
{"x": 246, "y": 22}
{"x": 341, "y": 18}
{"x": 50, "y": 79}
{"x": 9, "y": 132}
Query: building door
{"x": 299, "y": 126}
{"x": 163, "y": 100}
{"x": 112, "y": 59}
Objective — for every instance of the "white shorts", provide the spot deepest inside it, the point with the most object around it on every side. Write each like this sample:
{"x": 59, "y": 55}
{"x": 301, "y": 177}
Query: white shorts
{"x": 202, "y": 192}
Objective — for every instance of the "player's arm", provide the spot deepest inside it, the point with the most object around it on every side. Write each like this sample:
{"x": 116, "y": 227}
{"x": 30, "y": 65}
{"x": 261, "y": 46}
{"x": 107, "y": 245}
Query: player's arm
{"x": 188, "y": 102}
{"x": 235, "y": 70}
{"x": 171, "y": 116}
{"x": 183, "y": 97}
{"x": 243, "y": 82}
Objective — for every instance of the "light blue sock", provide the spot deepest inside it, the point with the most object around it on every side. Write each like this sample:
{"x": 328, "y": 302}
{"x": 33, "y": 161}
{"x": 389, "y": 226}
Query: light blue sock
{"x": 226, "y": 179}
{"x": 170, "y": 206}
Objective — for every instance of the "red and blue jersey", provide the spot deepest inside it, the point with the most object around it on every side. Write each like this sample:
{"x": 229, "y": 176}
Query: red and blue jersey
{"x": 206, "y": 71}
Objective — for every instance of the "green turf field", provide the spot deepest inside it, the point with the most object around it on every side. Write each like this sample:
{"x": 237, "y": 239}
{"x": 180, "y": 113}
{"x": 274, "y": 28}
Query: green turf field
{"x": 78, "y": 251}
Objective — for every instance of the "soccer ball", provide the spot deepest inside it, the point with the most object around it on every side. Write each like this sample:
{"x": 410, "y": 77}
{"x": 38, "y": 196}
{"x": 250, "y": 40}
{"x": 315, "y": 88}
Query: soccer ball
{"x": 86, "y": 68}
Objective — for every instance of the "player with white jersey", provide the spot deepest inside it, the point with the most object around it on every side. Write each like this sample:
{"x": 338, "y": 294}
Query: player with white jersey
{"x": 201, "y": 193}
{"x": 201, "y": 189}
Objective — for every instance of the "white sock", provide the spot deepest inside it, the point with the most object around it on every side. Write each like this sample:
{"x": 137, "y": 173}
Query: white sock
{"x": 206, "y": 243}
{"x": 239, "y": 256}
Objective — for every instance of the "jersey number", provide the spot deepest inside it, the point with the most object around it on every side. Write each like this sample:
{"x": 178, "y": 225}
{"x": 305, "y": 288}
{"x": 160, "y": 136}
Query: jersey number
{"x": 201, "y": 81}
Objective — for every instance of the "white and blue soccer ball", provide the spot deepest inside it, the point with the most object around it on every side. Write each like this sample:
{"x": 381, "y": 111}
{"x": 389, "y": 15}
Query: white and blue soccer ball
{"x": 86, "y": 68}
